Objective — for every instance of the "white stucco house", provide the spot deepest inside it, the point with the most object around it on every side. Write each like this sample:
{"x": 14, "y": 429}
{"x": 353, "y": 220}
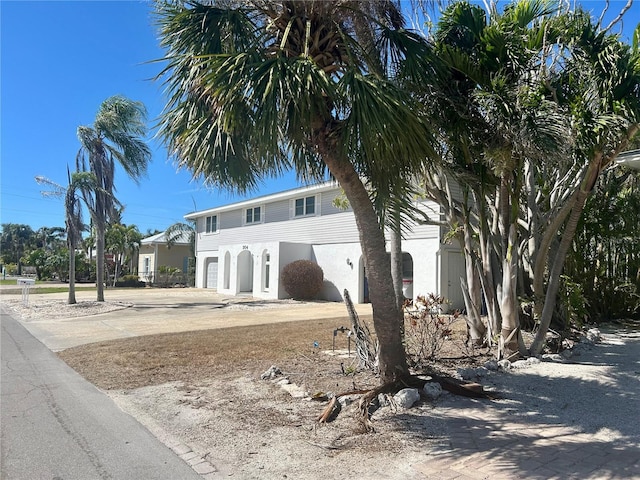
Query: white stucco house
{"x": 242, "y": 247}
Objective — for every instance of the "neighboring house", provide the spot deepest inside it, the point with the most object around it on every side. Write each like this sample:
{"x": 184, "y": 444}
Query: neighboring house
{"x": 241, "y": 248}
{"x": 154, "y": 255}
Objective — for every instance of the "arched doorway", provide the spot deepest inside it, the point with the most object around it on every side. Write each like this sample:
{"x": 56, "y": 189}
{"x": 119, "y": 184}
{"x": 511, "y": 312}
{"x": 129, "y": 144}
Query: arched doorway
{"x": 227, "y": 270}
{"x": 245, "y": 272}
{"x": 407, "y": 275}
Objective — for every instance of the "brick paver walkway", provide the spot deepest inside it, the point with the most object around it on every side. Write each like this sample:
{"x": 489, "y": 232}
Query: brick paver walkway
{"x": 580, "y": 426}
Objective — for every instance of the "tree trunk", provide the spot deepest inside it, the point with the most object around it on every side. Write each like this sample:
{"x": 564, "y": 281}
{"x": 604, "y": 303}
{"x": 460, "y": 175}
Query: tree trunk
{"x": 115, "y": 268}
{"x": 542, "y": 256}
{"x": 472, "y": 295}
{"x": 559, "y": 259}
{"x": 487, "y": 272}
{"x": 72, "y": 275}
{"x": 100, "y": 228}
{"x": 395, "y": 245}
{"x": 508, "y": 301}
{"x": 387, "y": 317}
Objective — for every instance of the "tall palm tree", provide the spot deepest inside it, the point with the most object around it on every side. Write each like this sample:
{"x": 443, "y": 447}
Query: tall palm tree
{"x": 114, "y": 136}
{"x": 495, "y": 121}
{"x": 600, "y": 87}
{"x": 306, "y": 85}
{"x": 77, "y": 182}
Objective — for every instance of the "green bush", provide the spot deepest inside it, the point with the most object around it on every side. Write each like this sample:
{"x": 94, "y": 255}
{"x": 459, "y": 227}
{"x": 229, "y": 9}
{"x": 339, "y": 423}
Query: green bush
{"x": 130, "y": 281}
{"x": 302, "y": 279}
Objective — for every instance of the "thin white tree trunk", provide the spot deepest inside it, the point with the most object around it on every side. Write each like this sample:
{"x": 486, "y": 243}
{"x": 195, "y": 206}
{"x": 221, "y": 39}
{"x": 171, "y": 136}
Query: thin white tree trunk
{"x": 71, "y": 300}
{"x": 100, "y": 263}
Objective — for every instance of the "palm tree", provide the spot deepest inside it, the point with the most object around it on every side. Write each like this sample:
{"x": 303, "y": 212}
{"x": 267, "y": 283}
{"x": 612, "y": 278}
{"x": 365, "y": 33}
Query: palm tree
{"x": 77, "y": 182}
{"x": 306, "y": 85}
{"x": 601, "y": 89}
{"x": 495, "y": 122}
{"x": 114, "y": 136}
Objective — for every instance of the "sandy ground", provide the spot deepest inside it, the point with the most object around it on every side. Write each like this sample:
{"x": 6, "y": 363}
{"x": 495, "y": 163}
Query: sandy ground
{"x": 236, "y": 425}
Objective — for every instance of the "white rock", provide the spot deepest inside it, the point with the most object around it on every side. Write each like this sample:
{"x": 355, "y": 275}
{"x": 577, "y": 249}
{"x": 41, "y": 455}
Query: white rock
{"x": 347, "y": 400}
{"x": 533, "y": 360}
{"x": 432, "y": 390}
{"x": 272, "y": 373}
{"x": 504, "y": 365}
{"x": 469, "y": 373}
{"x": 383, "y": 399}
{"x": 520, "y": 364}
{"x": 406, "y": 397}
{"x": 294, "y": 390}
{"x": 593, "y": 335}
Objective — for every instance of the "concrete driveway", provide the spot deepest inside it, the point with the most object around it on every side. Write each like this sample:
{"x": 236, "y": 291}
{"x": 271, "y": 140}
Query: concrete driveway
{"x": 150, "y": 311}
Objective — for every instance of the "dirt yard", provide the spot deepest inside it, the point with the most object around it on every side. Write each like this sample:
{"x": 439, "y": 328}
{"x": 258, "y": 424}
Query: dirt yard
{"x": 203, "y": 389}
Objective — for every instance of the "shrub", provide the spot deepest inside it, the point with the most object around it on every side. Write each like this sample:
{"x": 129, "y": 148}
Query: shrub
{"x": 426, "y": 328}
{"x": 130, "y": 281}
{"x": 302, "y": 279}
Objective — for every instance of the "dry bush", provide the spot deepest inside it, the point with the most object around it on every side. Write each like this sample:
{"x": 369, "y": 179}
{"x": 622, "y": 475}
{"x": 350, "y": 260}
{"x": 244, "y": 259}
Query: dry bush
{"x": 426, "y": 328}
{"x": 302, "y": 279}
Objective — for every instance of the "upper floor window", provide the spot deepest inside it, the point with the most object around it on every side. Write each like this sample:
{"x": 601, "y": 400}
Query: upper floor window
{"x": 305, "y": 206}
{"x": 211, "y": 224}
{"x": 253, "y": 215}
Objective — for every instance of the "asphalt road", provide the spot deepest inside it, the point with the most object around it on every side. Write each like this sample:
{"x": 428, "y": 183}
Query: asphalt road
{"x": 57, "y": 426}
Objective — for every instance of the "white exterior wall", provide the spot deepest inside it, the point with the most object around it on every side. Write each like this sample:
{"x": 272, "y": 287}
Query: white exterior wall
{"x": 202, "y": 258}
{"x": 329, "y": 238}
{"x": 338, "y": 274}
{"x": 426, "y": 264}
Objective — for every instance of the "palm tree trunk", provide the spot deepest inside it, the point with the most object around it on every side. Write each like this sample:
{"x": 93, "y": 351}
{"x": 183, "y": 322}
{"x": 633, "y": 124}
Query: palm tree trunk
{"x": 100, "y": 228}
{"x": 509, "y": 301}
{"x": 542, "y": 255}
{"x": 510, "y": 331}
{"x": 559, "y": 259}
{"x": 387, "y": 317}
{"x": 72, "y": 275}
{"x": 395, "y": 246}
{"x": 471, "y": 291}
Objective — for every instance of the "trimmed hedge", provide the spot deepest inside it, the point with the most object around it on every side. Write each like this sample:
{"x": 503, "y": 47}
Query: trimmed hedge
{"x": 130, "y": 281}
{"x": 302, "y": 279}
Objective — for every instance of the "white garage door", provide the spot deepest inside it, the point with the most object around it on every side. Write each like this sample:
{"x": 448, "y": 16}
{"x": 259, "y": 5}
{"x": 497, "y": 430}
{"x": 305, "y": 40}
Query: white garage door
{"x": 212, "y": 273}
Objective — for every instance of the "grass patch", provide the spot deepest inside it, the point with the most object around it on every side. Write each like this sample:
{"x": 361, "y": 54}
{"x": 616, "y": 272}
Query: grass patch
{"x": 191, "y": 356}
{"x": 12, "y": 281}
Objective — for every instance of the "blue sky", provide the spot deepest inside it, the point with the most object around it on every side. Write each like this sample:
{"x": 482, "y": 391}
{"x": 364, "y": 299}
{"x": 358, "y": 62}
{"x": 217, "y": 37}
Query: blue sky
{"x": 59, "y": 61}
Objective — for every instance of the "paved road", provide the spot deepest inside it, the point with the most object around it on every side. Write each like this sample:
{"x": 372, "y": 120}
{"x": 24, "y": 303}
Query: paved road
{"x": 57, "y": 426}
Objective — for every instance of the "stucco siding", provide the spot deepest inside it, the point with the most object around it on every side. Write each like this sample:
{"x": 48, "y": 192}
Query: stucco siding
{"x": 338, "y": 274}
{"x": 336, "y": 228}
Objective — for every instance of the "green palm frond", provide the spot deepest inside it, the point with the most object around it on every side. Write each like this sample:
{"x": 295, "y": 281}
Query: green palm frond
{"x": 237, "y": 113}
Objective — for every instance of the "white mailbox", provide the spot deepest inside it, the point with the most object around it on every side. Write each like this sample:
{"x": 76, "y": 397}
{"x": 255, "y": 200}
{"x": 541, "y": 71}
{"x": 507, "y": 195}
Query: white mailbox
{"x": 26, "y": 281}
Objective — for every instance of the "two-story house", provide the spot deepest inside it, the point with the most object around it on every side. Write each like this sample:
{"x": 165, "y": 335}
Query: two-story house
{"x": 242, "y": 247}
